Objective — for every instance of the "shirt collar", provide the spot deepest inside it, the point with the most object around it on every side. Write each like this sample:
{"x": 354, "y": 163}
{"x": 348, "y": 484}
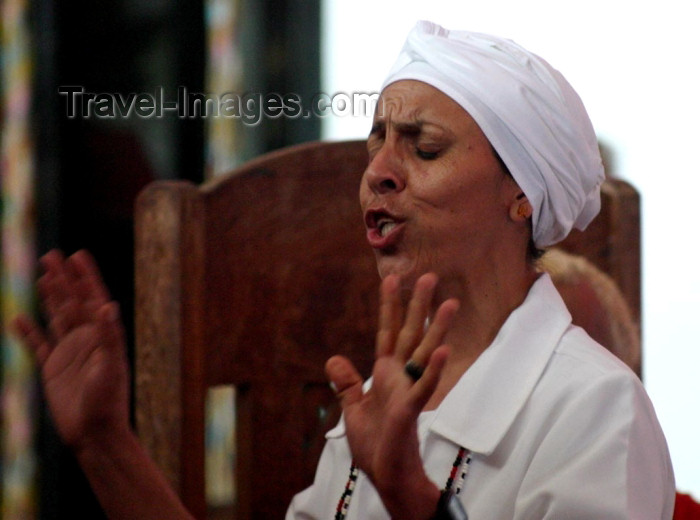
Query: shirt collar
{"x": 479, "y": 410}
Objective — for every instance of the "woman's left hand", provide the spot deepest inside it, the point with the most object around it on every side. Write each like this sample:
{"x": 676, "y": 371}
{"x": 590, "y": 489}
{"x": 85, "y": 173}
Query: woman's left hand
{"x": 381, "y": 424}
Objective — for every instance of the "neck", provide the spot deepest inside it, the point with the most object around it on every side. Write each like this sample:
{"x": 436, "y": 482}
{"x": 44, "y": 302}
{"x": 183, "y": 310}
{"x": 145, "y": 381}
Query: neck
{"x": 485, "y": 304}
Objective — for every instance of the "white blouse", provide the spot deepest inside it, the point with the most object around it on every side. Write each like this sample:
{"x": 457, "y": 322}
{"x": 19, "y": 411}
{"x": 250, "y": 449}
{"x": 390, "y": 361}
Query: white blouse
{"x": 558, "y": 428}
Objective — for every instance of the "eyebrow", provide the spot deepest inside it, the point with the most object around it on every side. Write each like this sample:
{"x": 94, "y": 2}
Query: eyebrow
{"x": 411, "y": 128}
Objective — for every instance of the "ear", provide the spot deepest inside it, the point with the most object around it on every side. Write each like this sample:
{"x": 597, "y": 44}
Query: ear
{"x": 520, "y": 209}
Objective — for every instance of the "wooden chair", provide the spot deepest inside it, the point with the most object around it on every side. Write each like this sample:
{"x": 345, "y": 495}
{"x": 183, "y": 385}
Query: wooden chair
{"x": 254, "y": 279}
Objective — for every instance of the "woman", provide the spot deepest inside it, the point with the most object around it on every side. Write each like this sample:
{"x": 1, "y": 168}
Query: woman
{"x": 478, "y": 153}
{"x": 478, "y": 150}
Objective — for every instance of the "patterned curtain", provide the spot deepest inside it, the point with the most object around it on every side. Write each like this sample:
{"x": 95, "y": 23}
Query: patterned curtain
{"x": 223, "y": 76}
{"x": 17, "y": 260}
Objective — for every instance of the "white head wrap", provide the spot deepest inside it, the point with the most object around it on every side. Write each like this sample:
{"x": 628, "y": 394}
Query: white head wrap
{"x": 527, "y": 110}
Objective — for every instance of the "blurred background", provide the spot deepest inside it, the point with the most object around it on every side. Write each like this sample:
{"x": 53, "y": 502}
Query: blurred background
{"x": 71, "y": 182}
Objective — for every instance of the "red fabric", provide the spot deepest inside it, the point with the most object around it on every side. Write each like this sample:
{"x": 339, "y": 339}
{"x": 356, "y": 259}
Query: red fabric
{"x": 686, "y": 508}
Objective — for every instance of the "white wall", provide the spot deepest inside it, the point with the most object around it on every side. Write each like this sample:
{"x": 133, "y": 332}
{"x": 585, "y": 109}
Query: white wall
{"x": 635, "y": 65}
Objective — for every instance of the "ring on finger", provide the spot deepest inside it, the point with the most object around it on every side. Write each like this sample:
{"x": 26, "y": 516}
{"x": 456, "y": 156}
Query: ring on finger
{"x": 413, "y": 370}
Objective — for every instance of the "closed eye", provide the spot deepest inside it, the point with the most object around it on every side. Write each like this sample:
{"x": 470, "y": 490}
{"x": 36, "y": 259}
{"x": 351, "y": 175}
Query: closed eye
{"x": 426, "y": 155}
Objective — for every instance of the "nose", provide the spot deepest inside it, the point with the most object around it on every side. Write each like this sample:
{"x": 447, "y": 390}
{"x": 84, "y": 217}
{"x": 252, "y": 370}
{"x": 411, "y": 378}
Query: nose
{"x": 385, "y": 172}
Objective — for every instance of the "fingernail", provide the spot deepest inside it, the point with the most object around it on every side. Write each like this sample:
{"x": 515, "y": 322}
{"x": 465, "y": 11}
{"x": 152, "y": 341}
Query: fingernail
{"x": 333, "y": 387}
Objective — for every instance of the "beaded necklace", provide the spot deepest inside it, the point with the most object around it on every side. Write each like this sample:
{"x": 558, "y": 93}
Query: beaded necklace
{"x": 459, "y": 467}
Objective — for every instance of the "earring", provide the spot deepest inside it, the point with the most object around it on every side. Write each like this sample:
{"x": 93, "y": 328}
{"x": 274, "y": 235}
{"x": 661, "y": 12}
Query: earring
{"x": 524, "y": 210}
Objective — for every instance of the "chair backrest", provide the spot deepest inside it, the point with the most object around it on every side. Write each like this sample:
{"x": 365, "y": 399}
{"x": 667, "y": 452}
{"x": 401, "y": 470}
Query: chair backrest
{"x": 254, "y": 279}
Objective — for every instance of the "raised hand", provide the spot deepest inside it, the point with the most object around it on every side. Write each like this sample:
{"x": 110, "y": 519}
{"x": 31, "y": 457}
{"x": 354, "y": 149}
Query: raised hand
{"x": 381, "y": 424}
{"x": 82, "y": 353}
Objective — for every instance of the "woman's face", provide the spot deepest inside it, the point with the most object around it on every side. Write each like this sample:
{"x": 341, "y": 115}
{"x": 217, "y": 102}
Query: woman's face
{"x": 434, "y": 196}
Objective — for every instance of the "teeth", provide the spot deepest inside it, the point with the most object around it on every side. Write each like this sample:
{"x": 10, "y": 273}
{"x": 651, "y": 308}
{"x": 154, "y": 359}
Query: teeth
{"x": 385, "y": 227}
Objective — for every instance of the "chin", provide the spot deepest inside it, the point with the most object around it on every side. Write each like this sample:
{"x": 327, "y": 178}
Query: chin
{"x": 402, "y": 267}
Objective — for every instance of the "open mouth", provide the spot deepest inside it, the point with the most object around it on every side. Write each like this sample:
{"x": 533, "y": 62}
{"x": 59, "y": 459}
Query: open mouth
{"x": 383, "y": 228}
{"x": 385, "y": 225}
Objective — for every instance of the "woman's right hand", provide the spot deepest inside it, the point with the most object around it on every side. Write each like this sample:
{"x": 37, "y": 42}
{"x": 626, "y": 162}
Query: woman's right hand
{"x": 382, "y": 423}
{"x": 81, "y": 354}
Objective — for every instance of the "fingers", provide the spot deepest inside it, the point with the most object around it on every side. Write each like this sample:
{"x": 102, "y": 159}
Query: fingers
{"x": 389, "y": 316}
{"x": 75, "y": 276}
{"x": 87, "y": 279}
{"x": 112, "y": 328}
{"x": 418, "y": 308}
{"x": 435, "y": 335}
{"x": 51, "y": 284}
{"x": 346, "y": 381}
{"x": 432, "y": 354}
{"x": 71, "y": 289}
{"x": 422, "y": 390}
{"x": 32, "y": 336}
{"x": 411, "y": 340}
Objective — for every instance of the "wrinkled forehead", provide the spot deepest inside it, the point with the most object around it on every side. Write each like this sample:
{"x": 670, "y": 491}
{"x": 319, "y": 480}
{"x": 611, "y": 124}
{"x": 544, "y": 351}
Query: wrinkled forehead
{"x": 418, "y": 103}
